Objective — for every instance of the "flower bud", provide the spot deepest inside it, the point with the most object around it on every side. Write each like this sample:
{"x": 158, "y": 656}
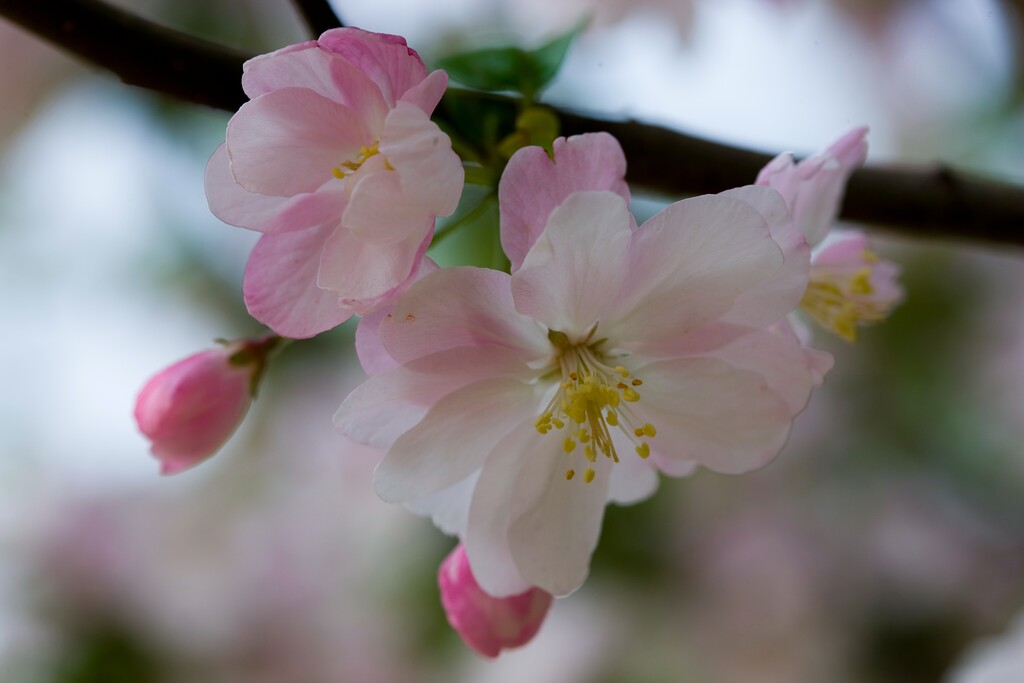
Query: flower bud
{"x": 190, "y": 409}
{"x": 486, "y": 623}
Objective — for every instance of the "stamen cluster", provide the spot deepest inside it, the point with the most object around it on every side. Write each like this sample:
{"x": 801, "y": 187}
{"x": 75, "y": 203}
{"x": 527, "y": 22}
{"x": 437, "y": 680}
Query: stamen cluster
{"x": 592, "y": 398}
{"x": 841, "y": 298}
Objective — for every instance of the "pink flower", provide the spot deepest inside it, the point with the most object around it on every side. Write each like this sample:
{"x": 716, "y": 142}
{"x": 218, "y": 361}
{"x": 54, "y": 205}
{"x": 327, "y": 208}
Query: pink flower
{"x": 190, "y": 409}
{"x": 814, "y": 188}
{"x": 521, "y": 404}
{"x": 486, "y": 623}
{"x": 848, "y": 284}
{"x": 335, "y": 159}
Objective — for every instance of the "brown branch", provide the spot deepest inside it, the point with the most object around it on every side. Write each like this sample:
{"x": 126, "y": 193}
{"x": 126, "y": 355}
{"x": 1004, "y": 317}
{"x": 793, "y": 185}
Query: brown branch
{"x": 139, "y": 52}
{"x": 318, "y": 15}
{"x": 923, "y": 202}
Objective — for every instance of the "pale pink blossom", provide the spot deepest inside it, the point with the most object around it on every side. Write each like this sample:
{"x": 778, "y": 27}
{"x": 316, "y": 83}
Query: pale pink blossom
{"x": 849, "y": 285}
{"x": 486, "y": 623}
{"x": 335, "y": 159}
{"x": 190, "y": 409}
{"x": 521, "y": 404}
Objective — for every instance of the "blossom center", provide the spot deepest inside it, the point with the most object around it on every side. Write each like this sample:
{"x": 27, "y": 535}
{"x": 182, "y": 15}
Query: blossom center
{"x": 348, "y": 167}
{"x": 841, "y": 298}
{"x": 592, "y": 400}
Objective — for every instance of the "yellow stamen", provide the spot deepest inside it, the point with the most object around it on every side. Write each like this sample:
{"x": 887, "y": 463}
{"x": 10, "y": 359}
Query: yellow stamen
{"x": 348, "y": 167}
{"x": 569, "y": 474}
{"x": 591, "y": 400}
{"x": 588, "y": 475}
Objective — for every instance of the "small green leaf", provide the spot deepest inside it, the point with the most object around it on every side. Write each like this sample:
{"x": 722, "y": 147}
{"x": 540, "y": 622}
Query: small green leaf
{"x": 545, "y": 61}
{"x": 511, "y": 68}
{"x": 489, "y": 69}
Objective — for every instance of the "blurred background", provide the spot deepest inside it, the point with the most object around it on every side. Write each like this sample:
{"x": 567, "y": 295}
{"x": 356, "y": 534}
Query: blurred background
{"x": 886, "y": 539}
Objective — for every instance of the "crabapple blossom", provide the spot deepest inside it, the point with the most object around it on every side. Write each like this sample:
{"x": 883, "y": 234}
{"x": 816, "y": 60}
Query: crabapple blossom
{"x": 486, "y": 623}
{"x": 190, "y": 409}
{"x": 848, "y": 283}
{"x": 519, "y": 405}
{"x": 335, "y": 159}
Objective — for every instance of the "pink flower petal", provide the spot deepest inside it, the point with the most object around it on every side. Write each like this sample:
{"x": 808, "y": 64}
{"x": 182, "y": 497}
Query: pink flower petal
{"x": 486, "y": 623}
{"x": 467, "y": 424}
{"x": 688, "y": 265}
{"x": 234, "y": 205}
{"x": 533, "y": 185}
{"x": 556, "y": 523}
{"x": 431, "y": 173}
{"x": 231, "y": 203}
{"x": 631, "y": 479}
{"x": 780, "y": 360}
{"x": 391, "y": 403}
{"x": 371, "y": 352}
{"x": 280, "y": 285}
{"x": 476, "y": 310}
{"x": 289, "y": 140}
{"x": 362, "y": 272}
{"x": 705, "y": 410}
{"x": 320, "y": 71}
{"x": 190, "y": 409}
{"x": 576, "y": 268}
{"x": 427, "y": 93}
{"x": 486, "y": 537}
{"x": 448, "y": 509}
{"x": 770, "y": 301}
{"x": 814, "y": 188}
{"x": 386, "y": 59}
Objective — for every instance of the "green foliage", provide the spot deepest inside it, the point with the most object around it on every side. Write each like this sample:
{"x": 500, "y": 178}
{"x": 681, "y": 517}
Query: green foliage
{"x": 511, "y": 68}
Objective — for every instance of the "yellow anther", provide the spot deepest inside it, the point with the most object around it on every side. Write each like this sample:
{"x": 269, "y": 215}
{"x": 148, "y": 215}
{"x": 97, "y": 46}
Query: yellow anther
{"x": 622, "y": 385}
{"x": 629, "y": 394}
{"x": 337, "y": 172}
{"x": 568, "y": 445}
{"x": 623, "y": 372}
{"x": 638, "y": 431}
{"x": 649, "y": 430}
{"x": 569, "y": 474}
{"x": 612, "y": 419}
{"x": 861, "y": 283}
{"x": 558, "y": 423}
{"x": 588, "y": 451}
{"x": 574, "y": 377}
{"x": 583, "y": 435}
{"x": 637, "y": 382}
{"x": 644, "y": 450}
{"x": 588, "y": 475}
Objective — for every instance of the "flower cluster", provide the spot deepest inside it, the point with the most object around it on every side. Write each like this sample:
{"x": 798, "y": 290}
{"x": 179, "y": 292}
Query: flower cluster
{"x": 514, "y": 406}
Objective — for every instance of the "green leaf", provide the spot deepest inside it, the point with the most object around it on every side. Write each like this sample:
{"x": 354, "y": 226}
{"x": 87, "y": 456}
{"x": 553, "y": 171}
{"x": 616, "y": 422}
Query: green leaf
{"x": 489, "y": 69}
{"x": 546, "y": 60}
{"x": 511, "y": 68}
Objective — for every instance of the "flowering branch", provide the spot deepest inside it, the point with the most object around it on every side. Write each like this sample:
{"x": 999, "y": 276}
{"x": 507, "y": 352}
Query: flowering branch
{"x": 930, "y": 202}
{"x": 318, "y": 15}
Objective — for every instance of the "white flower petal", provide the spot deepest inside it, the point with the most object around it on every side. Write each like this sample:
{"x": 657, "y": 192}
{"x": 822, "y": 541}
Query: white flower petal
{"x": 557, "y": 522}
{"x": 576, "y": 267}
{"x": 453, "y": 439}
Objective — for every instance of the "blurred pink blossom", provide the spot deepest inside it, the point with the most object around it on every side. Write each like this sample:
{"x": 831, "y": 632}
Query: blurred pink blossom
{"x": 644, "y": 349}
{"x": 488, "y": 624}
{"x": 849, "y": 284}
{"x": 190, "y": 409}
{"x": 335, "y": 159}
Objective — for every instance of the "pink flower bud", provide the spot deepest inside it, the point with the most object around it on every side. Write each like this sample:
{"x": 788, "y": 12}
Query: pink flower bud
{"x": 190, "y": 409}
{"x": 486, "y": 623}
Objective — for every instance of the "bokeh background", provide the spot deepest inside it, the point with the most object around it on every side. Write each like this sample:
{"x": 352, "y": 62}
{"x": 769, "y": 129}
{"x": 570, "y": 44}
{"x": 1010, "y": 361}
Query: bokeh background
{"x": 886, "y": 539}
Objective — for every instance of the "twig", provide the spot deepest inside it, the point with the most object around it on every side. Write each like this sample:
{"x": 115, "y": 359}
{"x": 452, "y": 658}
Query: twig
{"x": 935, "y": 202}
{"x": 318, "y": 15}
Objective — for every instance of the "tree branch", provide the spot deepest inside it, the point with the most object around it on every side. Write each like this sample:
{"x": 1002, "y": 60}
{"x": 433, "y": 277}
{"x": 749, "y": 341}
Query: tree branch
{"x": 318, "y": 15}
{"x": 924, "y": 202}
